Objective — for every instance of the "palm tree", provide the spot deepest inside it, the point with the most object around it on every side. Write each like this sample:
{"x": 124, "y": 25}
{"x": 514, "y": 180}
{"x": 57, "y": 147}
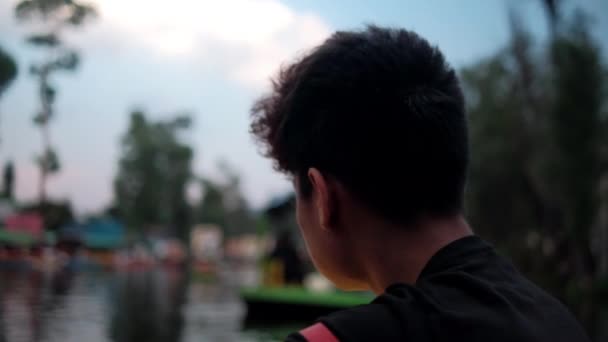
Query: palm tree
{"x": 54, "y": 15}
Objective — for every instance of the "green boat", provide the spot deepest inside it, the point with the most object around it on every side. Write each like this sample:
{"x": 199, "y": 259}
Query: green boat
{"x": 293, "y": 304}
{"x": 16, "y": 239}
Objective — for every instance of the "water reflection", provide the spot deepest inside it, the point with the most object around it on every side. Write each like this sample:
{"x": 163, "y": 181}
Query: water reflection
{"x": 151, "y": 305}
{"x": 36, "y": 306}
{"x": 146, "y": 306}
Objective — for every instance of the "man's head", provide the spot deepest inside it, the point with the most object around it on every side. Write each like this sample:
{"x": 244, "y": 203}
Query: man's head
{"x": 371, "y": 121}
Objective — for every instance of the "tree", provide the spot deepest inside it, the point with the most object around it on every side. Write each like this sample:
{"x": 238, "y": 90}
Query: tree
{"x": 8, "y": 181}
{"x": 8, "y": 70}
{"x": 54, "y": 15}
{"x": 224, "y": 204}
{"x": 538, "y": 131}
{"x": 153, "y": 172}
{"x": 576, "y": 124}
{"x": 211, "y": 209}
{"x": 55, "y": 214}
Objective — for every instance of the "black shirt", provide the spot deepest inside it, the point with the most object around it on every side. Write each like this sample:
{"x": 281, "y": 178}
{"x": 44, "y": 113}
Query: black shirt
{"x": 466, "y": 292}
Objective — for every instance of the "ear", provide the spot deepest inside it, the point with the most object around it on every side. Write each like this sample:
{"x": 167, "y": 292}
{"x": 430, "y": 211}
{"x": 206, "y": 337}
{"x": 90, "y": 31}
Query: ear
{"x": 322, "y": 195}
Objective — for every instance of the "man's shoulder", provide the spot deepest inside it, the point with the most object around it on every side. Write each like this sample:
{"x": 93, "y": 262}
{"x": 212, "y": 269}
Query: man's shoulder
{"x": 380, "y": 320}
{"x": 362, "y": 323}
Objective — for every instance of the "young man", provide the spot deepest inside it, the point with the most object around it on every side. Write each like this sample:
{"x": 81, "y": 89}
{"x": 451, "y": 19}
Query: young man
{"x": 372, "y": 127}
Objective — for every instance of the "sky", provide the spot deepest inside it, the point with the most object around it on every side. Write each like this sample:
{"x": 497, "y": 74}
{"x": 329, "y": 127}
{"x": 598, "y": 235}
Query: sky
{"x": 213, "y": 59}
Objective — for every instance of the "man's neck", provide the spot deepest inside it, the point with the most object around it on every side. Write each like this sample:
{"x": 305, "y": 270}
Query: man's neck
{"x": 400, "y": 255}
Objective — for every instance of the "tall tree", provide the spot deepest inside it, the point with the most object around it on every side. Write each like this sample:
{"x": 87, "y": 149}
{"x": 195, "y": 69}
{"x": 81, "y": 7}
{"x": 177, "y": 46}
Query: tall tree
{"x": 8, "y": 181}
{"x": 53, "y": 16}
{"x": 153, "y": 173}
{"x": 576, "y": 125}
{"x": 8, "y": 70}
{"x": 538, "y": 130}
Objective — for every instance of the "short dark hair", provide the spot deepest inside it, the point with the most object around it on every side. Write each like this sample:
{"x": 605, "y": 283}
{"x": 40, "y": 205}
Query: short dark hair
{"x": 382, "y": 112}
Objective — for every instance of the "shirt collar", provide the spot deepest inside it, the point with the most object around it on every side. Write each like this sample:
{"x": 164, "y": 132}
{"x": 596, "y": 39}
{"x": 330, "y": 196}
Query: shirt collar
{"x": 455, "y": 253}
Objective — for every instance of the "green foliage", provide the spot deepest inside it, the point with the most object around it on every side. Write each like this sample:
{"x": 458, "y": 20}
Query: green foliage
{"x": 44, "y": 39}
{"x": 154, "y": 170}
{"x": 68, "y": 61}
{"x": 49, "y": 161}
{"x": 223, "y": 204}
{"x": 211, "y": 209}
{"x": 8, "y": 70}
{"x": 576, "y": 123}
{"x": 537, "y": 130}
{"x": 55, "y": 214}
{"x": 67, "y": 12}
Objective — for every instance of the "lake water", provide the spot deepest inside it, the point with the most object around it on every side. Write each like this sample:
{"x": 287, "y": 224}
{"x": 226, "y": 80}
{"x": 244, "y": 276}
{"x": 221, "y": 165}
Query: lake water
{"x": 94, "y": 306}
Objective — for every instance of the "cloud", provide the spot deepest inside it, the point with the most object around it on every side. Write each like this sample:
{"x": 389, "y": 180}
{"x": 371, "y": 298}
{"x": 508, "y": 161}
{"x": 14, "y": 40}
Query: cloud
{"x": 246, "y": 38}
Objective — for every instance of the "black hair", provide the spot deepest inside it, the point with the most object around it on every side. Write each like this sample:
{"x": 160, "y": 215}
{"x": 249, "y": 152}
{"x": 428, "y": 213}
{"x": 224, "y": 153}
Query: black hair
{"x": 379, "y": 110}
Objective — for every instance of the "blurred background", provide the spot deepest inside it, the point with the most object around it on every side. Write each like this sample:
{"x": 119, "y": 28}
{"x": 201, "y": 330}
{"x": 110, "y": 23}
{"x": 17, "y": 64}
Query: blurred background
{"x": 134, "y": 205}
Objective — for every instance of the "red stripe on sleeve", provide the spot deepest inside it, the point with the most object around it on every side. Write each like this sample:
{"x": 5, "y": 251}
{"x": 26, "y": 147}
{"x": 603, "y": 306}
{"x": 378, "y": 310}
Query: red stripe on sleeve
{"x": 318, "y": 333}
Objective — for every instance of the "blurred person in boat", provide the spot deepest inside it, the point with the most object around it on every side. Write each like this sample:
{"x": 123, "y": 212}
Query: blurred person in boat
{"x": 284, "y": 265}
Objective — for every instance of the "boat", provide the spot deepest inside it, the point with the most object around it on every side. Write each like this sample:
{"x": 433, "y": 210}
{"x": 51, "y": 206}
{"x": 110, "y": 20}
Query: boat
{"x": 20, "y": 238}
{"x": 102, "y": 237}
{"x": 296, "y": 304}
{"x": 17, "y": 239}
